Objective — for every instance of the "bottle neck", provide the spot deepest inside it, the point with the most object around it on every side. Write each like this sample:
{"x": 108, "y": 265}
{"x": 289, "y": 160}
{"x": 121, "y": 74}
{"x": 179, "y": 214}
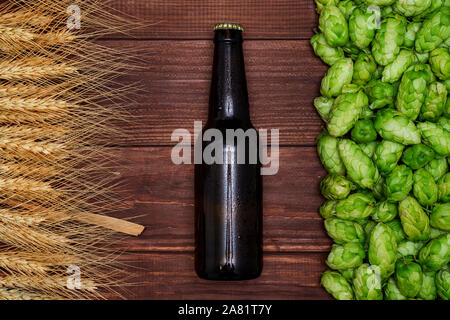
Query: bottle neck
{"x": 229, "y": 95}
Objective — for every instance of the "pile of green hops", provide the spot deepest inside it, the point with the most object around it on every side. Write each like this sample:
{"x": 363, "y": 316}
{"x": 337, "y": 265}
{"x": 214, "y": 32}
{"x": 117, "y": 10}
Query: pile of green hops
{"x": 386, "y": 147}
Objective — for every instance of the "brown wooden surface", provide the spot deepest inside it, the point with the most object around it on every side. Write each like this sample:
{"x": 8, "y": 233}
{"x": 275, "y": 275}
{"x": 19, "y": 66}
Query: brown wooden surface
{"x": 283, "y": 77}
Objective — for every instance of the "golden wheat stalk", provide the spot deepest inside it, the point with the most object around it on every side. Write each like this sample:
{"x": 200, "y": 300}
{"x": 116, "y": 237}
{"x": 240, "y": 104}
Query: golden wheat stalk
{"x": 34, "y": 68}
{"x": 11, "y": 15}
{"x": 52, "y": 285}
{"x": 24, "y": 169}
{"x": 19, "y": 294}
{"x": 28, "y": 238}
{"x": 33, "y": 104}
{"x": 7, "y": 217}
{"x": 30, "y": 146}
{"x": 15, "y": 263}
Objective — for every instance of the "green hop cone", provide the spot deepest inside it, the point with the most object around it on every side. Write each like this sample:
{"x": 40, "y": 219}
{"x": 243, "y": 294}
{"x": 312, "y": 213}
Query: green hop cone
{"x": 362, "y": 26}
{"x": 346, "y": 111}
{"x": 436, "y": 137}
{"x": 434, "y": 104}
{"x": 383, "y": 249}
{"x": 380, "y": 94}
{"x": 364, "y": 131}
{"x": 368, "y": 227}
{"x": 333, "y": 25}
{"x": 347, "y": 7}
{"x": 412, "y": 91}
{"x": 367, "y": 284}
{"x": 364, "y": 68}
{"x": 415, "y": 221}
{"x": 444, "y": 188}
{"x": 410, "y": 8}
{"x": 339, "y": 74}
{"x": 323, "y": 106}
{"x": 366, "y": 113}
{"x": 385, "y": 211}
{"x": 436, "y": 233}
{"x": 407, "y": 249}
{"x": 369, "y": 148}
{"x": 342, "y": 231}
{"x": 360, "y": 168}
{"x": 356, "y": 207}
{"x": 327, "y": 147}
{"x": 327, "y": 53}
{"x": 399, "y": 183}
{"x": 421, "y": 57}
{"x": 437, "y": 167}
{"x": 349, "y": 255}
{"x": 387, "y": 10}
{"x": 378, "y": 189}
{"x": 417, "y": 156}
{"x": 435, "y": 4}
{"x": 425, "y": 188}
{"x": 440, "y": 63}
{"x": 328, "y": 209}
{"x": 323, "y": 3}
{"x": 348, "y": 274}
{"x": 440, "y": 217}
{"x": 436, "y": 254}
{"x": 443, "y": 283}
{"x": 409, "y": 277}
{"x": 435, "y": 30}
{"x": 336, "y": 285}
{"x": 335, "y": 187}
{"x": 394, "y": 71}
{"x": 391, "y": 292}
{"x": 411, "y": 32}
{"x": 397, "y": 229}
{"x": 388, "y": 39}
{"x": 428, "y": 290}
{"x": 444, "y": 123}
{"x": 387, "y": 155}
{"x": 351, "y": 50}
{"x": 381, "y": 3}
{"x": 392, "y": 126}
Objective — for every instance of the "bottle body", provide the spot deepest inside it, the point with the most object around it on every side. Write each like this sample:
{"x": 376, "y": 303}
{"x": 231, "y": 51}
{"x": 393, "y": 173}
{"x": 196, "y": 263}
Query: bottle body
{"x": 229, "y": 194}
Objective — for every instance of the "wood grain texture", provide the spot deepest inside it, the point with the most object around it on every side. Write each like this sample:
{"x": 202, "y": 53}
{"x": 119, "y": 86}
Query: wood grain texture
{"x": 172, "y": 276}
{"x": 163, "y": 193}
{"x": 283, "y": 80}
{"x": 194, "y": 19}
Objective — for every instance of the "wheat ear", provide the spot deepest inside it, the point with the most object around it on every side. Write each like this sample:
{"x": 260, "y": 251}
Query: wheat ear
{"x": 34, "y": 69}
{"x": 18, "y": 294}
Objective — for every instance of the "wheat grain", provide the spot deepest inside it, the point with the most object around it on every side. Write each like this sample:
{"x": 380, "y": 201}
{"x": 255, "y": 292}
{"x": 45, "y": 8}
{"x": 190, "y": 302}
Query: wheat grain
{"x": 21, "y": 17}
{"x": 18, "y": 294}
{"x": 33, "y": 104}
{"x": 23, "y": 169}
{"x": 34, "y": 147}
{"x": 34, "y": 69}
{"x": 15, "y": 263}
{"x": 44, "y": 283}
{"x": 31, "y": 239}
{"x": 27, "y": 189}
{"x": 8, "y": 217}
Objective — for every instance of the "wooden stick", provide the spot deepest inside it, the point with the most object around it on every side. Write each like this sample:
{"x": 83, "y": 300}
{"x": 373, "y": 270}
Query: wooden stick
{"x": 115, "y": 224}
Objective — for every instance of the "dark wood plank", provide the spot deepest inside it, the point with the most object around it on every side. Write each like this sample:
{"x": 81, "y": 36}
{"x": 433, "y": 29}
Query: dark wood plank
{"x": 194, "y": 19}
{"x": 172, "y": 276}
{"x": 162, "y": 194}
{"x": 283, "y": 79}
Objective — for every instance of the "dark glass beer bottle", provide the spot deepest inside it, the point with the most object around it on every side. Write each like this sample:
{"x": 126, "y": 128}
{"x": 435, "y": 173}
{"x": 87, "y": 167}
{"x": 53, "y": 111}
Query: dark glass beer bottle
{"x": 229, "y": 194}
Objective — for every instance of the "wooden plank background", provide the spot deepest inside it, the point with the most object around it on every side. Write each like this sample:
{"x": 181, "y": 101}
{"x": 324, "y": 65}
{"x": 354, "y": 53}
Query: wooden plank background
{"x": 283, "y": 78}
